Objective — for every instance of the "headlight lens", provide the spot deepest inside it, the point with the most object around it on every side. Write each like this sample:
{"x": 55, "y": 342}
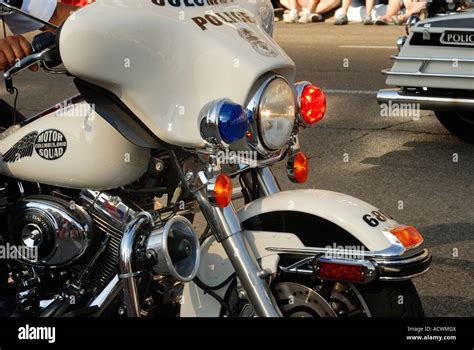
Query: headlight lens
{"x": 276, "y": 114}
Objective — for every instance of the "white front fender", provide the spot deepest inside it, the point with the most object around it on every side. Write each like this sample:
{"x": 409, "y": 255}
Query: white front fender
{"x": 342, "y": 210}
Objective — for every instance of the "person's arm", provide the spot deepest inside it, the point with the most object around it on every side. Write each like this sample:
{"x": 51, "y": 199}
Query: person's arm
{"x": 62, "y": 13}
{"x": 14, "y": 48}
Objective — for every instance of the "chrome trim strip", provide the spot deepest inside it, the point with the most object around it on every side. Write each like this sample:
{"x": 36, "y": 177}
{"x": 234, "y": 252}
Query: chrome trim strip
{"x": 427, "y": 75}
{"x": 424, "y": 101}
{"x": 432, "y": 59}
{"x": 321, "y": 251}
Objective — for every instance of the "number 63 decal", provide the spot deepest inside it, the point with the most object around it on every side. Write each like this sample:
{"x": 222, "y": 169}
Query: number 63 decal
{"x": 375, "y": 218}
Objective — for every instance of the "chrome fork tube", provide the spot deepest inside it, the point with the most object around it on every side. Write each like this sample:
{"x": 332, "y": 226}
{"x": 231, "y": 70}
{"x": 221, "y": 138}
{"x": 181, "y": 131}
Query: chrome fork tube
{"x": 267, "y": 182}
{"x": 228, "y": 230}
{"x": 130, "y": 291}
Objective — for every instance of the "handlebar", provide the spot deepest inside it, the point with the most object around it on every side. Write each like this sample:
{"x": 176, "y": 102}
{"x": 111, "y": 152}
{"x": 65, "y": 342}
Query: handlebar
{"x": 43, "y": 41}
{"x": 45, "y": 53}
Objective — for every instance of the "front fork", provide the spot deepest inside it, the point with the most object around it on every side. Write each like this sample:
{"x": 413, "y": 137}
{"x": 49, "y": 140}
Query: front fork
{"x": 228, "y": 230}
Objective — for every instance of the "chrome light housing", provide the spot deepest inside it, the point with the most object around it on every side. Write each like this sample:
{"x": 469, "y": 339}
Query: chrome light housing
{"x": 223, "y": 122}
{"x": 272, "y": 112}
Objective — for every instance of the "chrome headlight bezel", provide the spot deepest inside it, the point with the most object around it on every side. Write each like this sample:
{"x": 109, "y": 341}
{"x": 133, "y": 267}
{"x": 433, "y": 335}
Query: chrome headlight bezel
{"x": 254, "y": 137}
{"x": 209, "y": 123}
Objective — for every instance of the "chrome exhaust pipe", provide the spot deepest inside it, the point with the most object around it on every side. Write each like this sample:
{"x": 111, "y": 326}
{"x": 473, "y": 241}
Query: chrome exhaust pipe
{"x": 130, "y": 291}
{"x": 395, "y": 96}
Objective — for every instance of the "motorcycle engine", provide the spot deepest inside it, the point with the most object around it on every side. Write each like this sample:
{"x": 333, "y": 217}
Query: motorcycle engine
{"x": 48, "y": 231}
{"x": 68, "y": 249}
{"x": 66, "y": 246}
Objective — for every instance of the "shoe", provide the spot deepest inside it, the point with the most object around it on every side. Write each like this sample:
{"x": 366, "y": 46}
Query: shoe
{"x": 341, "y": 20}
{"x": 310, "y": 17}
{"x": 395, "y": 21}
{"x": 367, "y": 20}
{"x": 290, "y": 17}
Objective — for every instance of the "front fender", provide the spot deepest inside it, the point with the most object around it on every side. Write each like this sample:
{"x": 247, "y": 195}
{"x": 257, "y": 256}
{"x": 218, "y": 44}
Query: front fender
{"x": 293, "y": 219}
{"x": 340, "y": 210}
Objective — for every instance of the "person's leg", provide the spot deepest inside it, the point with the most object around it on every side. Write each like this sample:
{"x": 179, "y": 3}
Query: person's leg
{"x": 312, "y": 5}
{"x": 392, "y": 10}
{"x": 342, "y": 19}
{"x": 345, "y": 6}
{"x": 369, "y": 6}
{"x": 411, "y": 7}
{"x": 327, "y": 5}
{"x": 290, "y": 4}
{"x": 308, "y": 13}
{"x": 292, "y": 16}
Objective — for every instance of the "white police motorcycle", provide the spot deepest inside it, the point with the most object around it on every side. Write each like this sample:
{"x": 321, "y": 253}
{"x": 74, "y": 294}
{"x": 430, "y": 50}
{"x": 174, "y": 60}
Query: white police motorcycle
{"x": 183, "y": 106}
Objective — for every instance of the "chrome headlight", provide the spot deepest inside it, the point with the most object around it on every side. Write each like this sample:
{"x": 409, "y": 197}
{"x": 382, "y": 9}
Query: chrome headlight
{"x": 273, "y": 115}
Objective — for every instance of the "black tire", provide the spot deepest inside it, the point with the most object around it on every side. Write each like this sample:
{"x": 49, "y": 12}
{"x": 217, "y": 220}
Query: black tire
{"x": 460, "y": 124}
{"x": 392, "y": 299}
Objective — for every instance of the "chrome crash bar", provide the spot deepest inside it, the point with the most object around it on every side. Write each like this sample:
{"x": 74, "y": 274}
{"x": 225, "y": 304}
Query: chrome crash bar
{"x": 385, "y": 268}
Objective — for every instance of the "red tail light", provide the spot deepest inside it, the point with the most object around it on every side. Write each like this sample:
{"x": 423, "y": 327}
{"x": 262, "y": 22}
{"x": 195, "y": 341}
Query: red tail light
{"x": 312, "y": 104}
{"x": 345, "y": 271}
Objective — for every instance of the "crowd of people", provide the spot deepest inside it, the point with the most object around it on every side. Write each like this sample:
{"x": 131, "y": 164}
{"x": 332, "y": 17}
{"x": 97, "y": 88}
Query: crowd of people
{"x": 379, "y": 12}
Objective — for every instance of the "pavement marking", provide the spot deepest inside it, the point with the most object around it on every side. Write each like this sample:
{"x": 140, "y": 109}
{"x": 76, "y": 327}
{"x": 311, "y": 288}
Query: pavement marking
{"x": 367, "y": 47}
{"x": 350, "y": 92}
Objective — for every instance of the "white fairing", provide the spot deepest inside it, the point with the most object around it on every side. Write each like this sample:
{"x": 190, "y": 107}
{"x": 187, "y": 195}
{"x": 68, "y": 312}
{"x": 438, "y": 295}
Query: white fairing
{"x": 342, "y": 210}
{"x": 165, "y": 63}
{"x": 81, "y": 151}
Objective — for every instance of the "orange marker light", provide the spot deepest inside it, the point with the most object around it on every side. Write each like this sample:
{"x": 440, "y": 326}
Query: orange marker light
{"x": 408, "y": 236}
{"x": 223, "y": 191}
{"x": 313, "y": 104}
{"x": 298, "y": 168}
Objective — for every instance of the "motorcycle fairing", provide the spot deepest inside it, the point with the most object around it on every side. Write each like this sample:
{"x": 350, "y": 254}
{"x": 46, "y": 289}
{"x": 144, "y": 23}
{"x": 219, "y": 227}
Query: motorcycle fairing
{"x": 163, "y": 66}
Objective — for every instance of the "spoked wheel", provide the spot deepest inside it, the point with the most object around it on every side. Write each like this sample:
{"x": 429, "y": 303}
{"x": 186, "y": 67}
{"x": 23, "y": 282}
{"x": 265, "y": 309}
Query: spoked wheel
{"x": 460, "y": 124}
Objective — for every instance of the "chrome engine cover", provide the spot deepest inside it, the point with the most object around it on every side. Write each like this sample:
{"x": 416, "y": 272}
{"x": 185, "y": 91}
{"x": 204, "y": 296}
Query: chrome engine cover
{"x": 56, "y": 232}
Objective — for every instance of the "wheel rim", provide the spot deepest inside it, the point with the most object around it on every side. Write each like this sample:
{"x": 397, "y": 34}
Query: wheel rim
{"x": 297, "y": 300}
{"x": 346, "y": 301}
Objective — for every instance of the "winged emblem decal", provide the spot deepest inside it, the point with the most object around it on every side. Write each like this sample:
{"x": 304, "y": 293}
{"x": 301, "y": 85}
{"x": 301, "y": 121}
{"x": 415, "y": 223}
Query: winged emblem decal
{"x": 22, "y": 149}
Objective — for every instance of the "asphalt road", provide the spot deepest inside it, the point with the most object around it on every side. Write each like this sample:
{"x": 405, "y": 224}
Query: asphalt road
{"x": 401, "y": 165}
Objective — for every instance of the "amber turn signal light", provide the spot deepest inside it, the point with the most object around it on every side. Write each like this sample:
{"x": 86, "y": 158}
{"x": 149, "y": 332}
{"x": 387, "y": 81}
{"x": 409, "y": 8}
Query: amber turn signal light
{"x": 408, "y": 236}
{"x": 298, "y": 168}
{"x": 223, "y": 190}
